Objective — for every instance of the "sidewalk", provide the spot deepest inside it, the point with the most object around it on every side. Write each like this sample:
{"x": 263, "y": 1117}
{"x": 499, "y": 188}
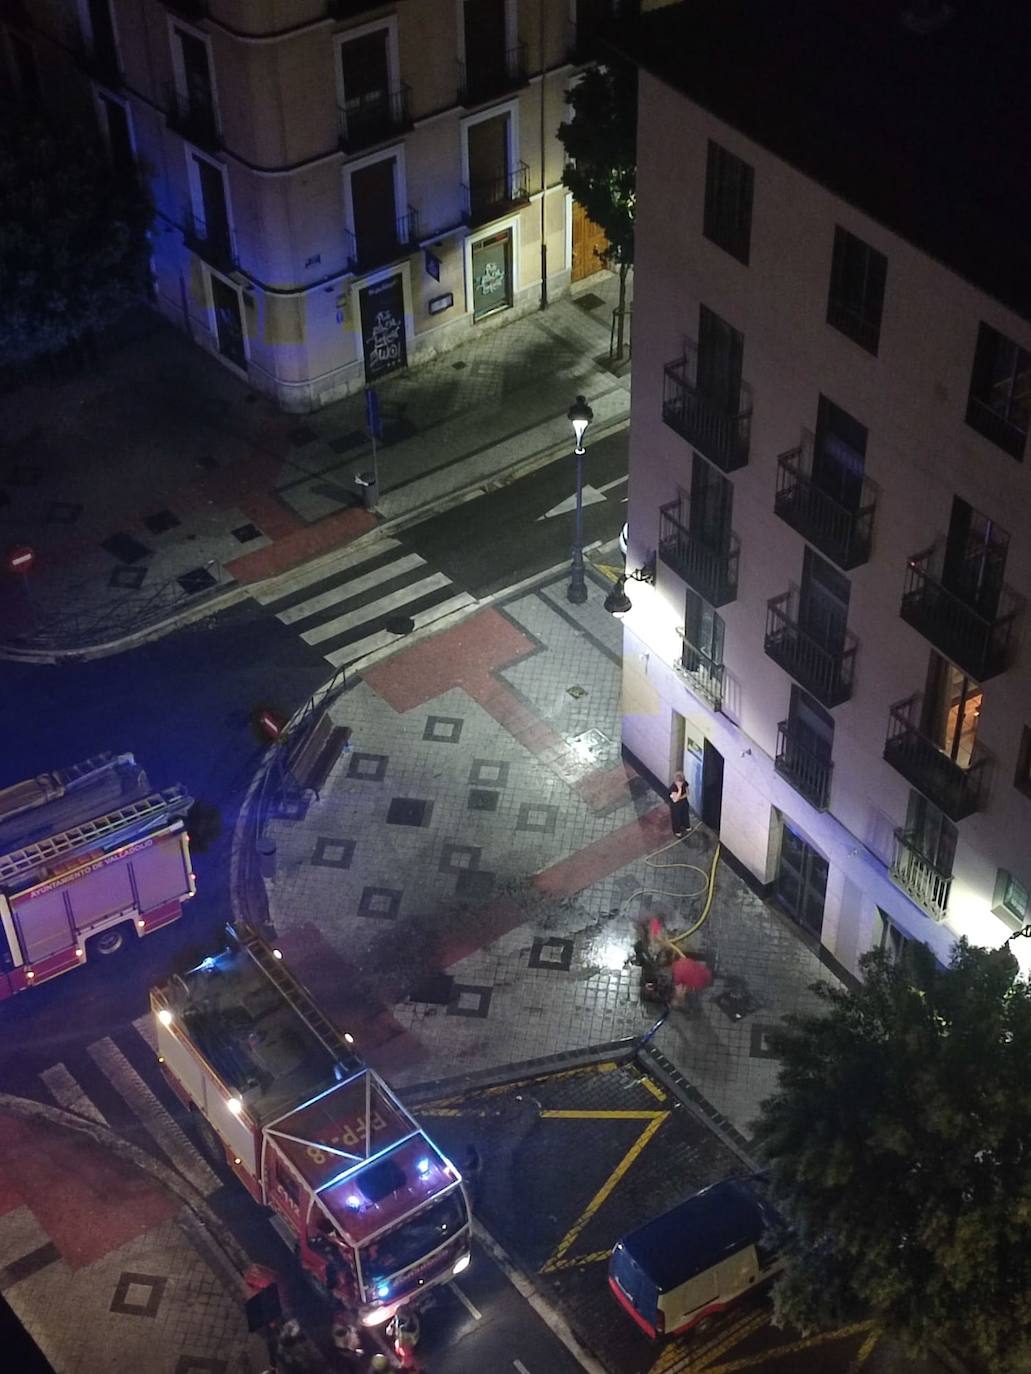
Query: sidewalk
{"x": 158, "y": 485}
{"x": 461, "y": 897}
{"x": 106, "y": 1269}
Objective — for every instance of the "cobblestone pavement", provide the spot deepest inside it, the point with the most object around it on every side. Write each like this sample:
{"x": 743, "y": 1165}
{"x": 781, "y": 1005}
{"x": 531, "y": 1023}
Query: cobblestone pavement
{"x": 157, "y": 481}
{"x": 461, "y": 896}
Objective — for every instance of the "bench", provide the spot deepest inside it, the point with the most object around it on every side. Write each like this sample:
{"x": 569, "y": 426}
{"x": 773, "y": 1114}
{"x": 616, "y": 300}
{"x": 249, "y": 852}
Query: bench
{"x": 310, "y": 759}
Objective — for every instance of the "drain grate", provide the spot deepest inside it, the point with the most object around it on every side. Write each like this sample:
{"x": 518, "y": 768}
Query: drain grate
{"x": 125, "y": 548}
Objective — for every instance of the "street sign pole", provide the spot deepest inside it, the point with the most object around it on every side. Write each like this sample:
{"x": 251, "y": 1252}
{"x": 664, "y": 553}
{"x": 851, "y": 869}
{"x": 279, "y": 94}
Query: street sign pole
{"x": 375, "y": 429}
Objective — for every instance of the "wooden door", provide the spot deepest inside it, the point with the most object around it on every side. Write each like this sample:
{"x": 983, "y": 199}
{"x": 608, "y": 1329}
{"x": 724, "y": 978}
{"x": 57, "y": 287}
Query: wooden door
{"x": 588, "y": 242}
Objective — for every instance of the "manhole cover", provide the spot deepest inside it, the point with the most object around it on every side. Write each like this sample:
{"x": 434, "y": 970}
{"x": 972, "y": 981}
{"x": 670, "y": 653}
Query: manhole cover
{"x": 591, "y": 742}
{"x": 736, "y": 1003}
{"x": 577, "y": 692}
{"x": 399, "y": 625}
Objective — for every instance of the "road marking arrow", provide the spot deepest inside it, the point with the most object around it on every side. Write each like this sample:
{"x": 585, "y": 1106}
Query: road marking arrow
{"x": 591, "y": 498}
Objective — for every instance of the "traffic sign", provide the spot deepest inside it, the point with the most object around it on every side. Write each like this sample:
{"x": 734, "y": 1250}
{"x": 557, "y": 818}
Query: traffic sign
{"x": 21, "y": 559}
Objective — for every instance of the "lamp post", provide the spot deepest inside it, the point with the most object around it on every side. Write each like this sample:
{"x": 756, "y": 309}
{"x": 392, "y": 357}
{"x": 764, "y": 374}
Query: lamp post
{"x": 580, "y": 416}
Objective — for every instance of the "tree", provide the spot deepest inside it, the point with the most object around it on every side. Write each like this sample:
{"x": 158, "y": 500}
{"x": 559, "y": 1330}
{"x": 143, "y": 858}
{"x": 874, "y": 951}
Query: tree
{"x": 73, "y": 237}
{"x": 601, "y": 142}
{"x": 899, "y": 1145}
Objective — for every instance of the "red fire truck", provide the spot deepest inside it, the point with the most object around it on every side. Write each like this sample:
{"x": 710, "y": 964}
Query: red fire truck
{"x": 372, "y": 1208}
{"x": 88, "y": 855}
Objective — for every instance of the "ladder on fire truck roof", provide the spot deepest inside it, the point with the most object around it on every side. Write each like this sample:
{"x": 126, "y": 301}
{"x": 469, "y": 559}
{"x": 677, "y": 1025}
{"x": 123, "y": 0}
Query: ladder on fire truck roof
{"x": 298, "y": 996}
{"x": 21, "y": 861}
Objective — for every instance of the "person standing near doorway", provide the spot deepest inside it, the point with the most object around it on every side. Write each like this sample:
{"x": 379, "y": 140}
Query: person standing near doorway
{"x": 679, "y": 807}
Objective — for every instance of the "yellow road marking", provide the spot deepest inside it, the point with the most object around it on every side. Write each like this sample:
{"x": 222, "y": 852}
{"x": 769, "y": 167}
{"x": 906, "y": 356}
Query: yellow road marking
{"x": 806, "y": 1343}
{"x": 561, "y": 1114}
{"x": 699, "y": 1356}
{"x": 654, "y": 1089}
{"x": 578, "y": 1260}
{"x": 606, "y": 1188}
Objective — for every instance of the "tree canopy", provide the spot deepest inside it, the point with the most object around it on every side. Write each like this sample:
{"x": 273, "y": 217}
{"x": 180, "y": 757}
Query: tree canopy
{"x": 601, "y": 141}
{"x": 898, "y": 1144}
{"x": 73, "y": 236}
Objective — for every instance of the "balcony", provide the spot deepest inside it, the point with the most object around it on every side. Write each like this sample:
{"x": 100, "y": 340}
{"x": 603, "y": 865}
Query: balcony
{"x": 720, "y": 435}
{"x": 486, "y": 77}
{"x": 704, "y": 673}
{"x": 711, "y": 572}
{"x": 840, "y": 533}
{"x": 369, "y": 251}
{"x": 488, "y": 198}
{"x": 371, "y": 119}
{"x": 954, "y": 789}
{"x": 211, "y": 242}
{"x": 979, "y": 643}
{"x": 826, "y": 673}
{"x": 918, "y": 877}
{"x": 192, "y": 119}
{"x": 808, "y": 771}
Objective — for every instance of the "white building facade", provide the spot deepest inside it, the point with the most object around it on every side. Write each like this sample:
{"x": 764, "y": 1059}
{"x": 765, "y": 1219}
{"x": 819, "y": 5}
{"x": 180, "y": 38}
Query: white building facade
{"x": 830, "y": 470}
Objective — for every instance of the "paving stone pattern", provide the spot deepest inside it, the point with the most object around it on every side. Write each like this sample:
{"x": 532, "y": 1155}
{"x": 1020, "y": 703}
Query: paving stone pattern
{"x": 503, "y": 867}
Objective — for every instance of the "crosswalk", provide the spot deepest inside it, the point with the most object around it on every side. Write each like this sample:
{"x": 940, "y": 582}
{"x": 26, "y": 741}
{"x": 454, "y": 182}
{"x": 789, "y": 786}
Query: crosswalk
{"x": 342, "y": 605}
{"x": 118, "y": 1074}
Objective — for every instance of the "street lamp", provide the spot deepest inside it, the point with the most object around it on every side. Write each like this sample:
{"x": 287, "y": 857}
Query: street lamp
{"x": 580, "y": 416}
{"x": 617, "y": 602}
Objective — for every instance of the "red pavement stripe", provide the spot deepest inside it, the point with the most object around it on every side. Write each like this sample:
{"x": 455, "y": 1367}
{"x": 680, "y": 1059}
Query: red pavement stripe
{"x": 604, "y": 789}
{"x": 605, "y": 856}
{"x": 460, "y": 657}
{"x": 293, "y": 549}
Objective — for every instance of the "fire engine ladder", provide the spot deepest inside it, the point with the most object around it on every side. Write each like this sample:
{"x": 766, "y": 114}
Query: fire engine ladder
{"x": 298, "y": 996}
{"x": 65, "y": 843}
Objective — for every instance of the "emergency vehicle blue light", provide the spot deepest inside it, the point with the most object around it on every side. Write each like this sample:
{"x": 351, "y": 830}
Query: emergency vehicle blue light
{"x": 423, "y": 1166}
{"x": 354, "y": 1202}
{"x": 383, "y": 1290}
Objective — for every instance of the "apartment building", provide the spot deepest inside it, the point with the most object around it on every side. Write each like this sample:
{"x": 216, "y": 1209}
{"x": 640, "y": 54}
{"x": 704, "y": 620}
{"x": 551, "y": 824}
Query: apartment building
{"x": 830, "y": 456}
{"x": 342, "y": 188}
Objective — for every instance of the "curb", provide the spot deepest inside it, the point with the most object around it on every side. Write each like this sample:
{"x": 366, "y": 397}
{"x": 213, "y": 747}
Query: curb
{"x": 242, "y": 591}
{"x": 216, "y": 1235}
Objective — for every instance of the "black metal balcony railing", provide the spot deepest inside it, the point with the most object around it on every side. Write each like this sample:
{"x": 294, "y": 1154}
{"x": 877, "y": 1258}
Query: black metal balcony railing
{"x": 371, "y": 118}
{"x": 488, "y": 197}
{"x": 977, "y": 642}
{"x": 712, "y": 572}
{"x": 703, "y": 672}
{"x": 806, "y": 769}
{"x": 485, "y": 77}
{"x": 918, "y": 877}
{"x": 368, "y": 250}
{"x": 825, "y": 672}
{"x": 1010, "y": 437}
{"x": 954, "y": 788}
{"x": 192, "y": 118}
{"x": 721, "y": 435}
{"x": 212, "y": 242}
{"x": 841, "y": 533}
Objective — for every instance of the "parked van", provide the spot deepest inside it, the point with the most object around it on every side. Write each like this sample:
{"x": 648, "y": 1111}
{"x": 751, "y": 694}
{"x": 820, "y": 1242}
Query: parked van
{"x": 698, "y": 1258}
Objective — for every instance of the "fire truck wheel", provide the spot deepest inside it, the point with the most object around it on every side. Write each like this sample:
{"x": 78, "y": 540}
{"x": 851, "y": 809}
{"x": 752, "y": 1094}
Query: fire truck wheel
{"x": 110, "y": 942}
{"x": 208, "y": 1139}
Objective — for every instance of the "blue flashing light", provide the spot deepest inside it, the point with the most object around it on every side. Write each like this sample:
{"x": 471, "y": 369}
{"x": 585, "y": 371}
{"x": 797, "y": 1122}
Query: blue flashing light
{"x": 354, "y": 1202}
{"x": 383, "y": 1290}
{"x": 423, "y": 1166}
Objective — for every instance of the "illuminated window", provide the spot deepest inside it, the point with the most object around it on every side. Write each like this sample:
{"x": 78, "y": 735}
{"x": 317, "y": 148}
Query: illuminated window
{"x": 1011, "y": 900}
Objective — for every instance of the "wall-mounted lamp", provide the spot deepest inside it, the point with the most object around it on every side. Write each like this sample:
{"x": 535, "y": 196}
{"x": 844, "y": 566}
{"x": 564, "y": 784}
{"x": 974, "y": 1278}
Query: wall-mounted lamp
{"x": 617, "y": 602}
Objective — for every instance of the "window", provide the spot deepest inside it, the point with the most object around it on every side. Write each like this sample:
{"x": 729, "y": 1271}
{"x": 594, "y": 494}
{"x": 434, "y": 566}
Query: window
{"x": 728, "y": 202}
{"x": 951, "y": 710}
{"x": 931, "y": 834}
{"x": 823, "y": 603}
{"x": 720, "y": 349}
{"x": 1000, "y": 391}
{"x": 1022, "y": 780}
{"x": 839, "y": 455}
{"x": 801, "y": 882}
{"x": 892, "y": 941}
{"x": 711, "y": 505}
{"x": 102, "y": 37}
{"x": 857, "y": 290}
{"x": 372, "y": 100}
{"x": 115, "y": 131}
{"x": 1011, "y": 900}
{"x": 975, "y": 558}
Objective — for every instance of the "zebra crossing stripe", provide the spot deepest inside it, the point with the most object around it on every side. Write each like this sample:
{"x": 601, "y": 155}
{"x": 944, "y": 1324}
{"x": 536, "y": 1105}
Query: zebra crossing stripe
{"x": 385, "y": 639}
{"x": 376, "y": 610}
{"x": 354, "y": 587}
{"x": 131, "y": 1088}
{"x": 278, "y": 589}
{"x": 67, "y": 1093}
{"x": 144, "y": 1027}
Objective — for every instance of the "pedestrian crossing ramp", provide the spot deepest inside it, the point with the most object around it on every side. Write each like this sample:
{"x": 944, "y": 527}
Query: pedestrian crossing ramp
{"x": 341, "y": 606}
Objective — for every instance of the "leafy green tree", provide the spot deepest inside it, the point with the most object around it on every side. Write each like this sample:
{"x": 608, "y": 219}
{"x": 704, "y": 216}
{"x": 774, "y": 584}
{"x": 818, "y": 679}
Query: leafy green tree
{"x": 73, "y": 237}
{"x": 899, "y": 1146}
{"x": 601, "y": 141}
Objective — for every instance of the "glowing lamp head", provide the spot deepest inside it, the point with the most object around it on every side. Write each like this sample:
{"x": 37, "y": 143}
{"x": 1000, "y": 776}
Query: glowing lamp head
{"x": 383, "y": 1290}
{"x": 235, "y": 1106}
{"x": 354, "y": 1202}
{"x": 348, "y": 1038}
{"x": 580, "y": 416}
{"x": 423, "y": 1167}
{"x": 165, "y": 1017}
{"x": 277, "y": 954}
{"x": 460, "y": 1265}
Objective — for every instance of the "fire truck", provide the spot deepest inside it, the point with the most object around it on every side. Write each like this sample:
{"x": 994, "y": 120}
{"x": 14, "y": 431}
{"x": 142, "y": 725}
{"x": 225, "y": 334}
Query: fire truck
{"x": 88, "y": 856}
{"x": 374, "y": 1211}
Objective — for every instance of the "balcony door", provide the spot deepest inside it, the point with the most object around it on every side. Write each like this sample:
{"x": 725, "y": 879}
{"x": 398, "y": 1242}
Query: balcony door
{"x": 951, "y": 710}
{"x": 102, "y": 29}
{"x": 975, "y": 558}
{"x": 214, "y": 228}
{"x": 365, "y": 77}
{"x": 703, "y": 633}
{"x": 712, "y": 504}
{"x": 812, "y": 728}
{"x": 228, "y": 321}
{"x": 800, "y": 886}
{"x": 196, "y": 73}
{"x": 823, "y": 603}
{"x": 839, "y": 455}
{"x": 487, "y": 147}
{"x": 720, "y": 350}
{"x": 374, "y": 209}
{"x": 485, "y": 29}
{"x": 931, "y": 833}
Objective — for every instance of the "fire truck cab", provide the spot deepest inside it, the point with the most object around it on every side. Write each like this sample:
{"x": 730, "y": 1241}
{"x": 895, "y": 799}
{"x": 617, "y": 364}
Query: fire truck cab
{"x": 373, "y": 1209}
{"x": 88, "y": 854}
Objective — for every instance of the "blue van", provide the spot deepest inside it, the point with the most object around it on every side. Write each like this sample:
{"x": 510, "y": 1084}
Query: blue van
{"x": 697, "y": 1258}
